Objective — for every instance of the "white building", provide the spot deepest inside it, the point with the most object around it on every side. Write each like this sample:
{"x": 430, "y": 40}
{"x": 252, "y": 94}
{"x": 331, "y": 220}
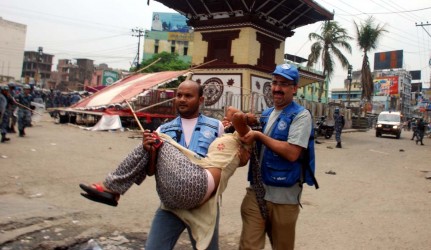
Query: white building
{"x": 12, "y": 42}
{"x": 392, "y": 89}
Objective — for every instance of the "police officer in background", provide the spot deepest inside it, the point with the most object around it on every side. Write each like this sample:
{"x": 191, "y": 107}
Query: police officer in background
{"x": 13, "y": 92}
{"x": 420, "y": 131}
{"x": 24, "y": 112}
{"x": 339, "y": 124}
{"x": 5, "y": 102}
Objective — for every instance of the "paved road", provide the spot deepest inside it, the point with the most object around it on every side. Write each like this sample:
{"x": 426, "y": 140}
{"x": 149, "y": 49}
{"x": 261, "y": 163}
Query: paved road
{"x": 378, "y": 198}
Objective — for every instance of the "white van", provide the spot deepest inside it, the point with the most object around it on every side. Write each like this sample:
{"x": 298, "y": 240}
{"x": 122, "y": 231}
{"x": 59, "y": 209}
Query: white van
{"x": 389, "y": 123}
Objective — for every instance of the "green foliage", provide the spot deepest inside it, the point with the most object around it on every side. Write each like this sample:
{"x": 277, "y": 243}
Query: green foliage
{"x": 368, "y": 34}
{"x": 327, "y": 47}
{"x": 168, "y": 62}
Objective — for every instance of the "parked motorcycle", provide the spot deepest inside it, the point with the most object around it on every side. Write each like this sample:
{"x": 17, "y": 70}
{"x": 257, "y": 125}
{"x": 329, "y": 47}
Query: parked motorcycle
{"x": 323, "y": 129}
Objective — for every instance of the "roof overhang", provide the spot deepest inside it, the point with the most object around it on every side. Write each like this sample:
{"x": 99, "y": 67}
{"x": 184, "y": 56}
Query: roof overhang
{"x": 307, "y": 77}
{"x": 281, "y": 16}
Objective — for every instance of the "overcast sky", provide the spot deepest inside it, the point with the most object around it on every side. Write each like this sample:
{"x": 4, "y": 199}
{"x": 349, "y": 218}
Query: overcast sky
{"x": 101, "y": 29}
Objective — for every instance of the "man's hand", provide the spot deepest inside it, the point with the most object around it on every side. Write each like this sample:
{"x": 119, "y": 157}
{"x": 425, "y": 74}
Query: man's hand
{"x": 226, "y": 123}
{"x": 251, "y": 119}
{"x": 250, "y": 137}
{"x": 148, "y": 139}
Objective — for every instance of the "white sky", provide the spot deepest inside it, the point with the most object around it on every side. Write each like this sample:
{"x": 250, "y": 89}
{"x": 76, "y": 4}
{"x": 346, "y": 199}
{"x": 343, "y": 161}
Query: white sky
{"x": 101, "y": 29}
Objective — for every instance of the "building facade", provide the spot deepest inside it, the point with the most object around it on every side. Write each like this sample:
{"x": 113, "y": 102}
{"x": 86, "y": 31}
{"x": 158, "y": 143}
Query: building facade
{"x": 73, "y": 75}
{"x": 392, "y": 91}
{"x": 37, "y": 67}
{"x": 350, "y": 98}
{"x": 169, "y": 33}
{"x": 12, "y": 43}
{"x": 83, "y": 74}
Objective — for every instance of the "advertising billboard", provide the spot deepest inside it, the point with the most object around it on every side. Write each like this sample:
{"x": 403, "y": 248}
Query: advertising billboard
{"x": 386, "y": 86}
{"x": 169, "y": 22}
{"x": 109, "y": 77}
{"x": 388, "y": 60}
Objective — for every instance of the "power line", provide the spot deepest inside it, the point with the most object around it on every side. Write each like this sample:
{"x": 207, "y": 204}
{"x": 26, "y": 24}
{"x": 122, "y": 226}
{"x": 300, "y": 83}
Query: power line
{"x": 422, "y": 25}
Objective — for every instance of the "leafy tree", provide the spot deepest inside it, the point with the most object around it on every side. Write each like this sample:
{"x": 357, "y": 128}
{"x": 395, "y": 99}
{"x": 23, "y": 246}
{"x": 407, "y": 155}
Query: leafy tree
{"x": 368, "y": 35}
{"x": 327, "y": 45}
{"x": 168, "y": 62}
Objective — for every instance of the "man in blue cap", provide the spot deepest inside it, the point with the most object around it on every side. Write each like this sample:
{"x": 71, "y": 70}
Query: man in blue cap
{"x": 271, "y": 204}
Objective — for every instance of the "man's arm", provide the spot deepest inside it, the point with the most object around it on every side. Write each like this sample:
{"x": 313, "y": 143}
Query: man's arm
{"x": 239, "y": 120}
{"x": 299, "y": 129}
{"x": 290, "y": 152}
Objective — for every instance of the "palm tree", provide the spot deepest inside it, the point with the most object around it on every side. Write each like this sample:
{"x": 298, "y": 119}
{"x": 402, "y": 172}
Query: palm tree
{"x": 368, "y": 35}
{"x": 327, "y": 45}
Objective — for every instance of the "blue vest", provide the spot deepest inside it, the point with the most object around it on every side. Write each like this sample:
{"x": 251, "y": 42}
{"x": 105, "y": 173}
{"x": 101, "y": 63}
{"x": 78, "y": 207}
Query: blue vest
{"x": 25, "y": 100}
{"x": 205, "y": 132}
{"x": 276, "y": 170}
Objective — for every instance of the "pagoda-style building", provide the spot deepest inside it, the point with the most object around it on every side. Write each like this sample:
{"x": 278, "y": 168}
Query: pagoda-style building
{"x": 240, "y": 42}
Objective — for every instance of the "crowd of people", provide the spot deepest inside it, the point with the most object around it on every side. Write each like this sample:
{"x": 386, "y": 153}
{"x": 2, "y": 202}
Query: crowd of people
{"x": 17, "y": 106}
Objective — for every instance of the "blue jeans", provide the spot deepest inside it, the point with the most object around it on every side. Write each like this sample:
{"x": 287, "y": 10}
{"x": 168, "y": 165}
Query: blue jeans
{"x": 167, "y": 228}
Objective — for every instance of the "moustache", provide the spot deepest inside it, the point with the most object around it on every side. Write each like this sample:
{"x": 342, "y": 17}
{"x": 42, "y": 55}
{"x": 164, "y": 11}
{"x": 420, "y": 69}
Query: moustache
{"x": 278, "y": 92}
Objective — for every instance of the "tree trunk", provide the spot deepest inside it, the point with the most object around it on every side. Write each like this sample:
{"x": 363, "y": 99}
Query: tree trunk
{"x": 366, "y": 79}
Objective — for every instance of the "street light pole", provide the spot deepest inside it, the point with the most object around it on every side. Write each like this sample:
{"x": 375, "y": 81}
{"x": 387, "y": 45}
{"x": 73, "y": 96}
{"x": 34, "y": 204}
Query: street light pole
{"x": 349, "y": 78}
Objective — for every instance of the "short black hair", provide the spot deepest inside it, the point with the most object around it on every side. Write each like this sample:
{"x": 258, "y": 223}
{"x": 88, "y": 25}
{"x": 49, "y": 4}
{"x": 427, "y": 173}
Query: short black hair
{"x": 201, "y": 90}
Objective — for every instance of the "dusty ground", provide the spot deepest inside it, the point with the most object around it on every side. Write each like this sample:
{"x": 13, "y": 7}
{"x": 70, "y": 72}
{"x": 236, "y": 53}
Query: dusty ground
{"x": 378, "y": 197}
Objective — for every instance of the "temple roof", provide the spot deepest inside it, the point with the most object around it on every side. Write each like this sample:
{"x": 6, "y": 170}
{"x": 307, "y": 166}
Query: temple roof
{"x": 281, "y": 16}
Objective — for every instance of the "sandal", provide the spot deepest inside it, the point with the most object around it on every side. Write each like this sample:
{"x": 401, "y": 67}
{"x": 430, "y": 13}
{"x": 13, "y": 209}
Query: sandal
{"x": 97, "y": 193}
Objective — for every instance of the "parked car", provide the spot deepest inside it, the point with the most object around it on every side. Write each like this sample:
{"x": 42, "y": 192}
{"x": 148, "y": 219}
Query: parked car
{"x": 389, "y": 123}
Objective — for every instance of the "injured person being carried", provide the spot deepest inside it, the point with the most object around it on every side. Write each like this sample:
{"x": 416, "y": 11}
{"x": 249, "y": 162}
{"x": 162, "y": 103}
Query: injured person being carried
{"x": 187, "y": 183}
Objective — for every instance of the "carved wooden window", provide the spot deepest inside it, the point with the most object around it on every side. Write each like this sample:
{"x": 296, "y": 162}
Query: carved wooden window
{"x": 268, "y": 46}
{"x": 220, "y": 45}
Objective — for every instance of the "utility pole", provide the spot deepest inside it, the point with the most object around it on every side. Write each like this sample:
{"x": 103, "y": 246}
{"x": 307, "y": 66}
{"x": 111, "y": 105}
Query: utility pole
{"x": 424, "y": 24}
{"x": 138, "y": 32}
{"x": 39, "y": 60}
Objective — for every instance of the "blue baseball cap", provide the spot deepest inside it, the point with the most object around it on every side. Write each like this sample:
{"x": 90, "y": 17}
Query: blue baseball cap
{"x": 287, "y": 71}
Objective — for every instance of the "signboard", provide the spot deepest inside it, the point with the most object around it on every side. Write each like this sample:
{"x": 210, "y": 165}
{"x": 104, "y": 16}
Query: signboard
{"x": 416, "y": 74}
{"x": 386, "y": 86}
{"x": 180, "y": 36}
{"x": 109, "y": 77}
{"x": 171, "y": 22}
{"x": 388, "y": 60}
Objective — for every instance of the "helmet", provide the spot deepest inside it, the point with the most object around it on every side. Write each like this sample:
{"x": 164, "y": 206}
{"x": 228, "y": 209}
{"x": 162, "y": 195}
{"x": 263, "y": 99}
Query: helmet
{"x": 26, "y": 86}
{"x": 4, "y": 87}
{"x": 337, "y": 110}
